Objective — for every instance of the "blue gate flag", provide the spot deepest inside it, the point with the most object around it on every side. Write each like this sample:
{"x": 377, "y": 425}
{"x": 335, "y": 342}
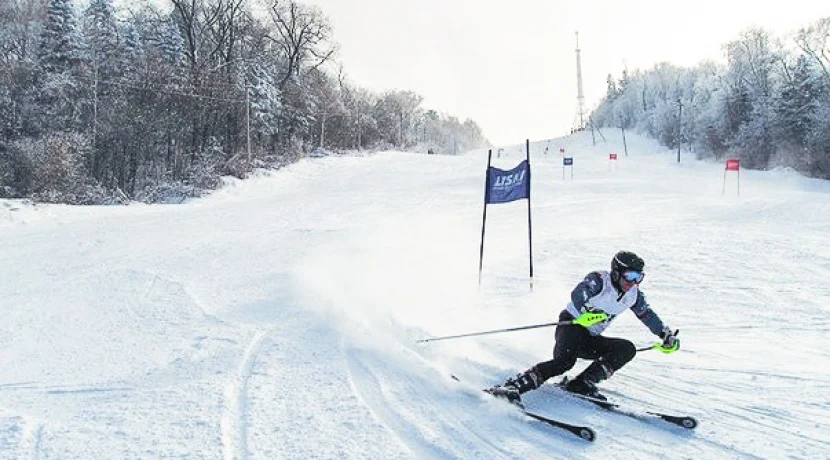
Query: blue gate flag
{"x": 568, "y": 161}
{"x": 507, "y": 186}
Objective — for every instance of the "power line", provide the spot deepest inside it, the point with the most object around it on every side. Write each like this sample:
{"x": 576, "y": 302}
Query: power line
{"x": 161, "y": 90}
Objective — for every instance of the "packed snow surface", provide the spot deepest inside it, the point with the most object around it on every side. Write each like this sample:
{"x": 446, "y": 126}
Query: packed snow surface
{"x": 278, "y": 317}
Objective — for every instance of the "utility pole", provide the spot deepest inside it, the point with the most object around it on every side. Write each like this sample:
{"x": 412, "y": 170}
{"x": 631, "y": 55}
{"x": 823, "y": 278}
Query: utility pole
{"x": 679, "y": 128}
{"x": 593, "y": 138}
{"x": 358, "y": 128}
{"x": 248, "y": 120}
{"x": 95, "y": 110}
{"x": 323, "y": 127}
{"x": 580, "y": 97}
{"x": 625, "y": 146}
{"x": 621, "y": 120}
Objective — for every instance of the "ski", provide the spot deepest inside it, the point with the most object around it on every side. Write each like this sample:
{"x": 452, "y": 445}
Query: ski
{"x": 684, "y": 421}
{"x": 583, "y": 432}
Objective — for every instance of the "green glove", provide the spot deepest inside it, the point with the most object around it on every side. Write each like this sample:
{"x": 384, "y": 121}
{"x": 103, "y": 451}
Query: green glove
{"x": 668, "y": 350}
{"x": 670, "y": 341}
{"x": 589, "y": 319}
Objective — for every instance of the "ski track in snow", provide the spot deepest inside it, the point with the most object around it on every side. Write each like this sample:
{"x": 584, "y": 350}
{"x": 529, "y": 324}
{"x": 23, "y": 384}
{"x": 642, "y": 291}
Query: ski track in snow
{"x": 429, "y": 420}
{"x": 234, "y": 418}
{"x": 31, "y": 439}
{"x": 368, "y": 388}
{"x": 298, "y": 390}
{"x": 20, "y": 437}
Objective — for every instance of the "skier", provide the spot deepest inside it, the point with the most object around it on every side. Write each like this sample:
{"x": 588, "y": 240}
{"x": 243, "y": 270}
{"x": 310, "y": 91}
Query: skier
{"x": 600, "y": 292}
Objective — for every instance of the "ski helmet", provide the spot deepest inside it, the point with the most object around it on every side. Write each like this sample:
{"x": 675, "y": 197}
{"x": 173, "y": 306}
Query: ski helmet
{"x": 625, "y": 260}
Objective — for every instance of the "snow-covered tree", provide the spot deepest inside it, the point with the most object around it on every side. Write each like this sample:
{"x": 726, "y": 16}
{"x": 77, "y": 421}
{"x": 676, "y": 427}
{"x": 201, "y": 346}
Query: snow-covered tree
{"x": 767, "y": 105}
{"x": 396, "y": 112}
{"x": 814, "y": 41}
{"x": 60, "y": 102}
{"x": 328, "y": 102}
{"x": 172, "y": 45}
{"x": 266, "y": 103}
{"x": 101, "y": 39}
{"x": 797, "y": 102}
{"x": 818, "y": 140}
{"x": 130, "y": 50}
{"x": 751, "y": 69}
{"x": 152, "y": 104}
{"x": 59, "y": 45}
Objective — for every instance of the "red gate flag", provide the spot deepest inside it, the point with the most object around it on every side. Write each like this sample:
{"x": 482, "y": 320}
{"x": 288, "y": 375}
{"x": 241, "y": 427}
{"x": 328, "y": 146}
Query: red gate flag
{"x": 732, "y": 164}
{"x": 612, "y": 156}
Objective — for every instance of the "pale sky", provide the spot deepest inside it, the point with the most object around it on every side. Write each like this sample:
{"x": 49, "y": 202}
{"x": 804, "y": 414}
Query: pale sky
{"x": 511, "y": 66}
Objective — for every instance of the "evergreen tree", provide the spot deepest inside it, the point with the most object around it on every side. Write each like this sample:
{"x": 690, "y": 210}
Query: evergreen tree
{"x": 797, "y": 103}
{"x": 611, "y": 91}
{"x": 101, "y": 34}
{"x": 625, "y": 80}
{"x": 130, "y": 50}
{"x": 172, "y": 51}
{"x": 59, "y": 102}
{"x": 818, "y": 139}
{"x": 58, "y": 51}
{"x": 266, "y": 103}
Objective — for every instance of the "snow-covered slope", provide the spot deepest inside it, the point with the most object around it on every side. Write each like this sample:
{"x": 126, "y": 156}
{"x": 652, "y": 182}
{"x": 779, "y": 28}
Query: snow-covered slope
{"x": 278, "y": 318}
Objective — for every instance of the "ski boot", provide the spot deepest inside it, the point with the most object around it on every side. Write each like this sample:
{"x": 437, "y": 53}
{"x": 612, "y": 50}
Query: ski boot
{"x": 585, "y": 384}
{"x": 582, "y": 387}
{"x": 513, "y": 388}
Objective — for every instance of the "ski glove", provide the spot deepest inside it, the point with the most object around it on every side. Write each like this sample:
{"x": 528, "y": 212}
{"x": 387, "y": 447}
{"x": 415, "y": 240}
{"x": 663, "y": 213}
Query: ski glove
{"x": 670, "y": 341}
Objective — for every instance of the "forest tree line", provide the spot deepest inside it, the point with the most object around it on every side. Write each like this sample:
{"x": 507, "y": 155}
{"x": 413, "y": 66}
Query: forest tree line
{"x": 768, "y": 105}
{"x": 102, "y": 105}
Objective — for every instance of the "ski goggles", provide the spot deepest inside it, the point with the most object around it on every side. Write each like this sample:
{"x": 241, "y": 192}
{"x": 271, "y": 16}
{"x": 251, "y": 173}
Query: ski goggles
{"x": 633, "y": 277}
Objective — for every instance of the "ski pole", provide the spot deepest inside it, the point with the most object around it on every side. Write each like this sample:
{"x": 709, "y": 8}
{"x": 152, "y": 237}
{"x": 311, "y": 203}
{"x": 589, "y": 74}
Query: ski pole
{"x": 657, "y": 345}
{"x": 584, "y": 320}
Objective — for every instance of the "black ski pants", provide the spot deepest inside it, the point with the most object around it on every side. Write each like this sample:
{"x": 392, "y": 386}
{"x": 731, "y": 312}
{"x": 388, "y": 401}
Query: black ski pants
{"x": 574, "y": 341}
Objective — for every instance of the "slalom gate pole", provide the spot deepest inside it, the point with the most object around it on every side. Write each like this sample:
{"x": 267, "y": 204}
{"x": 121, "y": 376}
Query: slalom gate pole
{"x": 529, "y": 226}
{"x": 484, "y": 215}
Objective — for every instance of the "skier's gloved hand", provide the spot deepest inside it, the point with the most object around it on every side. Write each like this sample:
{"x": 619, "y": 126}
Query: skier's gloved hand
{"x": 670, "y": 341}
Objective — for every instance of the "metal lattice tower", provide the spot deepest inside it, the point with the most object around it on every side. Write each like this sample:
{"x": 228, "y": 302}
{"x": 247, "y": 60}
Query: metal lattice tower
{"x": 579, "y": 119}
